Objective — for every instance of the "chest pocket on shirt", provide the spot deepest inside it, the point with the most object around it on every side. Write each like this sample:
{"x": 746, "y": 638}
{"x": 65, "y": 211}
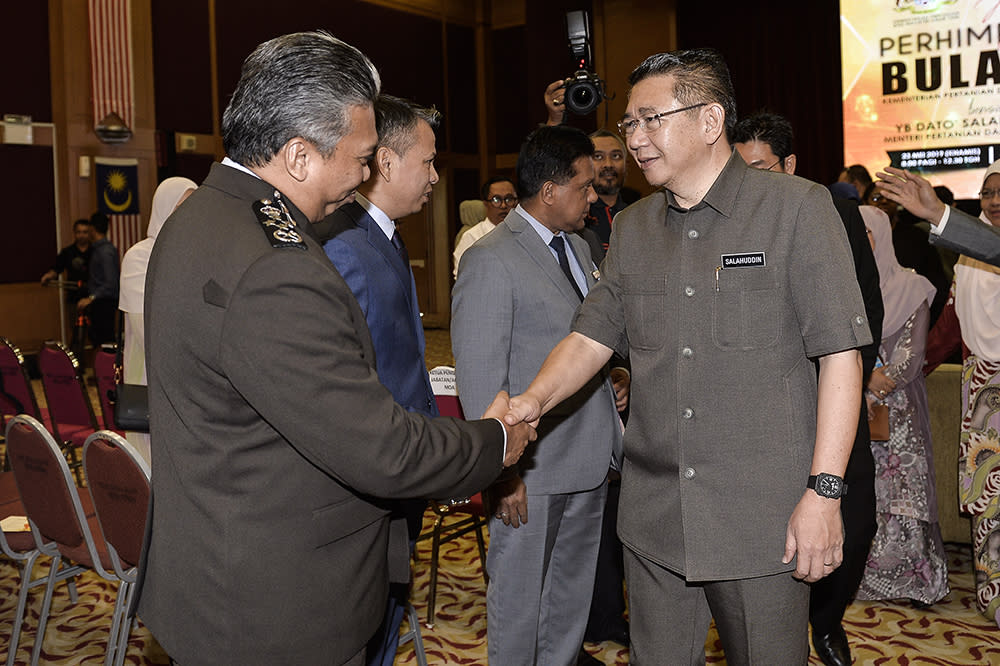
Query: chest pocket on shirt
{"x": 645, "y": 310}
{"x": 745, "y": 309}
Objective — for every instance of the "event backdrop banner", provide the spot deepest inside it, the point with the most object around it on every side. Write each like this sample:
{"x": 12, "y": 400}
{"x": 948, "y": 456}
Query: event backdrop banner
{"x": 921, "y": 87}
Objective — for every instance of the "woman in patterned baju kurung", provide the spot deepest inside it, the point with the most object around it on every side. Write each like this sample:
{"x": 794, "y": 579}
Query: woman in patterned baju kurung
{"x": 907, "y": 559}
{"x": 972, "y": 315}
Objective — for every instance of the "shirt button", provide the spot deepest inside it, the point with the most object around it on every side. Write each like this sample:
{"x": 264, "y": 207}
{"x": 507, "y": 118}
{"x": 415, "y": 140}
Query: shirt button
{"x": 692, "y": 234}
{"x": 689, "y": 473}
{"x": 688, "y": 413}
{"x": 689, "y": 290}
{"x": 687, "y": 352}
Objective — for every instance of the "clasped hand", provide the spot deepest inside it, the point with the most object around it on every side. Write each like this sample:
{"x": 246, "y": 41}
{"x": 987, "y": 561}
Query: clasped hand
{"x": 519, "y": 431}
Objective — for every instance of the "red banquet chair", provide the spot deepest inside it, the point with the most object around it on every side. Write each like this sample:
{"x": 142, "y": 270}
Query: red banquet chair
{"x": 471, "y": 512}
{"x": 16, "y": 394}
{"x": 104, "y": 373}
{"x": 61, "y": 515}
{"x": 72, "y": 414}
{"x": 118, "y": 480}
{"x": 19, "y": 545}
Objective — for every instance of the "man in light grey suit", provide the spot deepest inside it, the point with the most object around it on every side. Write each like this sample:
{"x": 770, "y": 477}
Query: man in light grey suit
{"x": 517, "y": 290}
{"x": 950, "y": 227}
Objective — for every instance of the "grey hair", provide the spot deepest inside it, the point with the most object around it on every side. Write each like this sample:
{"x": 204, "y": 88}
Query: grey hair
{"x": 700, "y": 75}
{"x": 301, "y": 84}
{"x": 396, "y": 119}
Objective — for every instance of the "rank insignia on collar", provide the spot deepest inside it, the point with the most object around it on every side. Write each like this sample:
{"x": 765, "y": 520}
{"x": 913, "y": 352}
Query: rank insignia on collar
{"x": 277, "y": 223}
{"x": 596, "y": 273}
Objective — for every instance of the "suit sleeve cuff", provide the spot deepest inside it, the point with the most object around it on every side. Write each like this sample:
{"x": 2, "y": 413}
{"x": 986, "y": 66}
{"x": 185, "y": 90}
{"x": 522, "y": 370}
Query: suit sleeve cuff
{"x": 938, "y": 228}
{"x": 504, "y": 428}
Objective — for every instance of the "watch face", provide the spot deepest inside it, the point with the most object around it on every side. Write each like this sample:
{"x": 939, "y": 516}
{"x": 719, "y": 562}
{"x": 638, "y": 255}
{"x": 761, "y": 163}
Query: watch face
{"x": 828, "y": 485}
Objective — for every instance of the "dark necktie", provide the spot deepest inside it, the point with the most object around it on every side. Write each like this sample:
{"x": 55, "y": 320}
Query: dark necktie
{"x": 559, "y": 245}
{"x": 397, "y": 242}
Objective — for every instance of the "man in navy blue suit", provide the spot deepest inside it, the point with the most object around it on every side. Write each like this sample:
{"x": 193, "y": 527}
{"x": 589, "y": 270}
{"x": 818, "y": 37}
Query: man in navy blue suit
{"x": 362, "y": 241}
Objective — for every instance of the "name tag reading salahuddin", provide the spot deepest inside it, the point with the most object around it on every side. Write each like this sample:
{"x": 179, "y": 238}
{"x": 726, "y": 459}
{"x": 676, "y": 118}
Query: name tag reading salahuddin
{"x": 743, "y": 260}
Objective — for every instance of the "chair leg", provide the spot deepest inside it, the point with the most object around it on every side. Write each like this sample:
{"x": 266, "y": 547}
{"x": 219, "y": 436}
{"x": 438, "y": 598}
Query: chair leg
{"x": 125, "y": 630}
{"x": 22, "y": 602}
{"x": 43, "y": 617}
{"x": 432, "y": 594}
{"x": 69, "y": 450}
{"x": 71, "y": 586}
{"x": 481, "y": 542}
{"x": 117, "y": 618}
{"x": 418, "y": 639}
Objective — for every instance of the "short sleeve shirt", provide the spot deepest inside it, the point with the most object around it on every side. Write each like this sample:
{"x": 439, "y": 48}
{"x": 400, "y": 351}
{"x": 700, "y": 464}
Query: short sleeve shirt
{"x": 721, "y": 308}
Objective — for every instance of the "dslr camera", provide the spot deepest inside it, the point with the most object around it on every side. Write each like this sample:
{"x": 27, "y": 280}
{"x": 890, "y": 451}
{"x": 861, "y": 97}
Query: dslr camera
{"x": 584, "y": 89}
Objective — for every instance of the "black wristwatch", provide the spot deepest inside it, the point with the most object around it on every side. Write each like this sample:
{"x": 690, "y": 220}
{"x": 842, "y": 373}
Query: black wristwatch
{"x": 827, "y": 485}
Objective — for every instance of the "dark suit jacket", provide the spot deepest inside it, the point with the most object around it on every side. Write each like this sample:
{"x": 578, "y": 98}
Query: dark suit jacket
{"x": 867, "y": 274}
{"x": 372, "y": 268}
{"x": 970, "y": 236}
{"x": 909, "y": 240}
{"x": 271, "y": 436}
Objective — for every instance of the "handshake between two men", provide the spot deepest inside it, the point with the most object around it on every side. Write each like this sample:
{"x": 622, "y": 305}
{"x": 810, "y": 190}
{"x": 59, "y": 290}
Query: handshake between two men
{"x": 519, "y": 431}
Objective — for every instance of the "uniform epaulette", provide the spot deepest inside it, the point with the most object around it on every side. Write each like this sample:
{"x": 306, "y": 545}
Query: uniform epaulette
{"x": 277, "y": 223}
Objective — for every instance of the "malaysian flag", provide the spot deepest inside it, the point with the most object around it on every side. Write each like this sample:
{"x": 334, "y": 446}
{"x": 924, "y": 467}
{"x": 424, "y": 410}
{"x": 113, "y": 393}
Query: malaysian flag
{"x": 113, "y": 92}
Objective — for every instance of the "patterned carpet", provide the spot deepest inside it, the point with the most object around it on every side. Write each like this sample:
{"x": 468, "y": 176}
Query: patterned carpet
{"x": 949, "y": 633}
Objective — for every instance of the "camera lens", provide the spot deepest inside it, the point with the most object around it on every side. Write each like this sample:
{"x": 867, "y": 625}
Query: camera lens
{"x": 582, "y": 97}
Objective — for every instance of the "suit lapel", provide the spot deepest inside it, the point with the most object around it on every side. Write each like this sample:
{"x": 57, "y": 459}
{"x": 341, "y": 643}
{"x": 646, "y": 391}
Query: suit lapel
{"x": 541, "y": 254}
{"x": 382, "y": 245}
{"x": 578, "y": 246}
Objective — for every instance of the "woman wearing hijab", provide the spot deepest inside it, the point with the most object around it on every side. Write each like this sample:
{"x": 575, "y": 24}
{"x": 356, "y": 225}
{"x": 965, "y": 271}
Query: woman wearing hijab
{"x": 907, "y": 558}
{"x": 971, "y": 319}
{"x": 170, "y": 194}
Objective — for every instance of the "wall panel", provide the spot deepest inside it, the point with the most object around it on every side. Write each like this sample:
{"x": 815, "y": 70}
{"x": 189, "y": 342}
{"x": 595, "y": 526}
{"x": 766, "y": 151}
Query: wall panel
{"x": 182, "y": 65}
{"x": 24, "y": 61}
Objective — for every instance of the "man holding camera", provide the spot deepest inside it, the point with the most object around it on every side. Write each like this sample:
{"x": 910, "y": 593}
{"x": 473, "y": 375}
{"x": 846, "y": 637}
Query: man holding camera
{"x": 607, "y": 610}
{"x": 609, "y": 181}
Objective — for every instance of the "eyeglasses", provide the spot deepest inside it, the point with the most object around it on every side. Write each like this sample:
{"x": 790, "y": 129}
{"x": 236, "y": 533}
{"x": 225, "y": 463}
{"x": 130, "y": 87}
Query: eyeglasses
{"x": 651, "y": 123}
{"x": 768, "y": 168}
{"x": 989, "y": 194}
{"x": 498, "y": 200}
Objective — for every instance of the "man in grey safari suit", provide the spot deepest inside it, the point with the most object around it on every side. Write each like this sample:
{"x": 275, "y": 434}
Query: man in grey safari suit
{"x": 721, "y": 287}
{"x": 517, "y": 290}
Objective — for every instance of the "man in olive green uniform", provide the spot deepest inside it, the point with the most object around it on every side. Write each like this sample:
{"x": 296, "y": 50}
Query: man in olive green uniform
{"x": 272, "y": 436}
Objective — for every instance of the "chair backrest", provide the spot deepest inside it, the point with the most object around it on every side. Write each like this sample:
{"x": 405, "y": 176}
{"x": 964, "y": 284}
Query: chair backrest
{"x": 47, "y": 490}
{"x": 104, "y": 372}
{"x": 65, "y": 390}
{"x": 15, "y": 544}
{"x": 16, "y": 394}
{"x": 448, "y": 405}
{"x": 445, "y": 391}
{"x": 446, "y": 396}
{"x": 118, "y": 479}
